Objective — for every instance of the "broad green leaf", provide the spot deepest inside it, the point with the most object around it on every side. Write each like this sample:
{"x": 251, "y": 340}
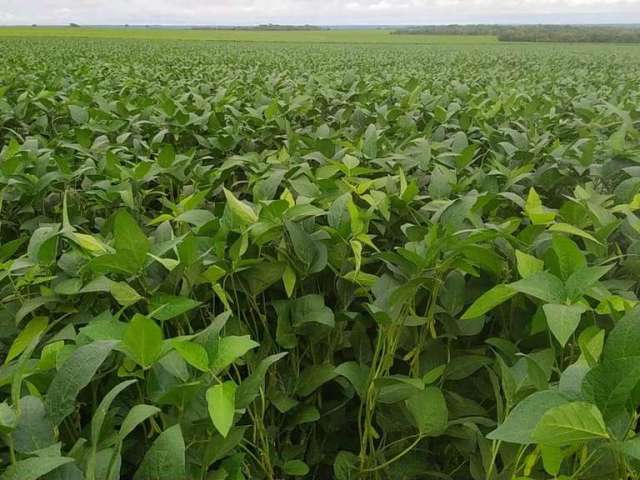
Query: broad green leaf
{"x": 582, "y": 279}
{"x": 43, "y": 245}
{"x": 563, "y": 320}
{"x": 167, "y": 156}
{"x": 311, "y": 309}
{"x": 8, "y": 418}
{"x": 249, "y": 389}
{"x": 73, "y": 375}
{"x": 93, "y": 468}
{"x": 519, "y": 425}
{"x": 221, "y": 405}
{"x": 552, "y": 458}
{"x": 33, "y": 468}
{"x": 528, "y": 265}
{"x": 165, "y": 307}
{"x": 88, "y": 242}
{"x": 345, "y": 466}
{"x": 543, "y": 286}
{"x": 138, "y": 414}
{"x": 240, "y": 210}
{"x": 357, "y": 374}
{"x": 311, "y": 252}
{"x": 124, "y": 294}
{"x": 289, "y": 280}
{"x": 194, "y": 354}
{"x": 570, "y": 229}
{"x": 488, "y": 301}
{"x": 143, "y": 340}
{"x": 130, "y": 241}
{"x": 570, "y": 424}
{"x": 568, "y": 255}
{"x": 34, "y": 431}
{"x": 314, "y": 377}
{"x": 630, "y": 448}
{"x": 79, "y": 114}
{"x": 370, "y": 142}
{"x": 32, "y": 330}
{"x": 429, "y": 411}
{"x": 295, "y": 468}
{"x": 610, "y": 385}
{"x": 624, "y": 339}
{"x": 537, "y": 213}
{"x": 228, "y": 350}
{"x": 165, "y": 460}
{"x": 103, "y": 408}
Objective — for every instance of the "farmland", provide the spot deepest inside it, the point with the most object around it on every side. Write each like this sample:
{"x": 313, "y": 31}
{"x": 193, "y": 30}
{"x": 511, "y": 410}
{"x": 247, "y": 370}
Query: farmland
{"x": 278, "y": 260}
{"x": 315, "y": 37}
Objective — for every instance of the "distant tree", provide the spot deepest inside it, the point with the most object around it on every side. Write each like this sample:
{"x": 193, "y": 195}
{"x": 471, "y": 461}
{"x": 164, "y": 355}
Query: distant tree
{"x": 535, "y": 33}
{"x": 34, "y": 25}
{"x": 74, "y": 25}
{"x": 126, "y": 25}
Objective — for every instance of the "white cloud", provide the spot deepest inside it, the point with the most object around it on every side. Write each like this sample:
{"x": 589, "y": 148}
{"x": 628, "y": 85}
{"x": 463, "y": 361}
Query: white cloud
{"x": 323, "y": 12}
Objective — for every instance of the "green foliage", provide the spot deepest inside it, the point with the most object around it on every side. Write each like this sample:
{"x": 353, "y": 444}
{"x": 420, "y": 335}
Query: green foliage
{"x": 271, "y": 262}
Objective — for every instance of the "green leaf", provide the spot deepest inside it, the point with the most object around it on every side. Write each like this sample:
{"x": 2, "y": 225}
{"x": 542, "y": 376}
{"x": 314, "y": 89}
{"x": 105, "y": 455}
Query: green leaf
{"x": 488, "y": 301}
{"x": 229, "y": 349}
{"x": 541, "y": 285}
{"x": 8, "y": 418}
{"x": 167, "y": 156}
{"x": 88, "y": 242}
{"x": 429, "y": 411}
{"x": 32, "y": 330}
{"x": 165, "y": 460}
{"x": 311, "y": 252}
{"x": 103, "y": 408}
{"x": 221, "y": 405}
{"x": 537, "y": 213}
{"x": 79, "y": 114}
{"x": 138, "y": 414}
{"x": 610, "y": 385}
{"x": 124, "y": 294}
{"x": 250, "y": 387}
{"x": 165, "y": 307}
{"x": 289, "y": 280}
{"x": 243, "y": 212}
{"x": 563, "y": 320}
{"x": 314, "y": 377}
{"x": 570, "y": 424}
{"x": 131, "y": 243}
{"x": 345, "y": 466}
{"x": 624, "y": 339}
{"x": 43, "y": 245}
{"x": 295, "y": 468}
{"x": 311, "y": 309}
{"x": 370, "y": 142}
{"x": 357, "y": 374}
{"x": 143, "y": 340}
{"x": 75, "y": 373}
{"x": 568, "y": 255}
{"x": 194, "y": 354}
{"x": 552, "y": 458}
{"x": 570, "y": 229}
{"x": 631, "y": 448}
{"x": 519, "y": 425}
{"x": 582, "y": 279}
{"x": 34, "y": 431}
{"x": 528, "y": 265}
{"x": 33, "y": 468}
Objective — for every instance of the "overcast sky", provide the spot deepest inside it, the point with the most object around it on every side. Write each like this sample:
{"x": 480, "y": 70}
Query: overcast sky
{"x": 320, "y": 12}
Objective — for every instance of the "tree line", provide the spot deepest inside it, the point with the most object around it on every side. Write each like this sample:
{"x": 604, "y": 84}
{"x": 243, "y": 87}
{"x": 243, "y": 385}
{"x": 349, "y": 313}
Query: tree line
{"x": 536, "y": 33}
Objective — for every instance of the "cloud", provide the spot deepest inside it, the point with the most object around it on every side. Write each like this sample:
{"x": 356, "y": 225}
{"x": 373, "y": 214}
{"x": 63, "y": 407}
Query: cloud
{"x": 324, "y": 12}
